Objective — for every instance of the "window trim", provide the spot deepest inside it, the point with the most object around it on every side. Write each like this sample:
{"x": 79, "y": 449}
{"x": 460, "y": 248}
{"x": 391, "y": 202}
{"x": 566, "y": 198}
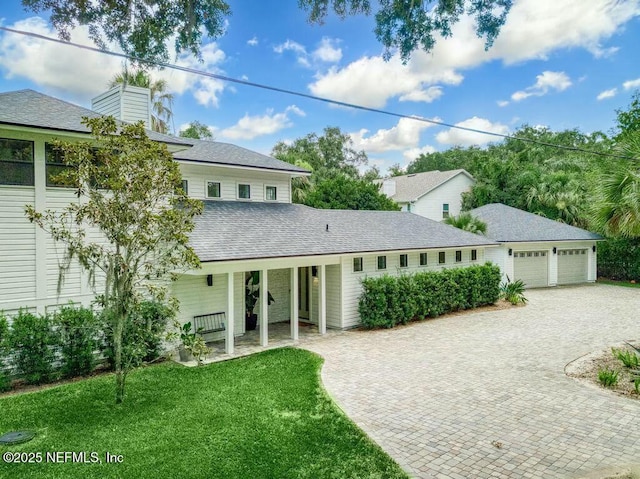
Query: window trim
{"x": 275, "y": 193}
{"x": 384, "y": 260}
{"x": 474, "y": 255}
{"x": 184, "y": 184}
{"x": 445, "y": 211}
{"x": 441, "y": 255}
{"x": 206, "y": 189}
{"x": 358, "y": 259}
{"x": 426, "y": 258}
{"x": 32, "y": 178}
{"x": 458, "y": 256}
{"x": 248, "y": 185}
{"x": 404, "y": 257}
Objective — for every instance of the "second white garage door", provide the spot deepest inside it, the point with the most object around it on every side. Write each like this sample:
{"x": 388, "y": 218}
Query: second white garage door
{"x": 531, "y": 267}
{"x": 572, "y": 266}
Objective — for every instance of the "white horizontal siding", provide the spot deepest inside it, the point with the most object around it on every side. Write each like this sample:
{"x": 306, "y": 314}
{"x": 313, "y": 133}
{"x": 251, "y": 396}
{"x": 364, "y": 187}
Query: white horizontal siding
{"x": 450, "y": 192}
{"x": 229, "y": 179}
{"x": 278, "y": 286}
{"x": 17, "y": 246}
{"x": 334, "y": 296}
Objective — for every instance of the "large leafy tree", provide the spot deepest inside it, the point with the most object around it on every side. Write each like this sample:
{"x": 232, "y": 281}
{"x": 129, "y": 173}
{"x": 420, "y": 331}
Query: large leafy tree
{"x": 142, "y": 27}
{"x": 346, "y": 193}
{"x": 161, "y": 100}
{"x": 126, "y": 185}
{"x": 197, "y": 131}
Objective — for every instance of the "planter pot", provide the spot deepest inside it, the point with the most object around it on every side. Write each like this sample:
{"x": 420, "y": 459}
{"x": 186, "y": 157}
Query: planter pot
{"x": 185, "y": 356}
{"x": 250, "y": 322}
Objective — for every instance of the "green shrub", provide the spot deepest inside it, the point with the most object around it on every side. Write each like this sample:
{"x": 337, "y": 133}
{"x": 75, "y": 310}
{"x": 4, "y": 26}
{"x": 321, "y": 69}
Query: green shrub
{"x": 5, "y": 382}
{"x": 143, "y": 334}
{"x": 607, "y": 377}
{"x": 78, "y": 332}
{"x": 628, "y": 358}
{"x": 33, "y": 343}
{"x": 619, "y": 259}
{"x": 387, "y": 301}
{"x": 513, "y": 291}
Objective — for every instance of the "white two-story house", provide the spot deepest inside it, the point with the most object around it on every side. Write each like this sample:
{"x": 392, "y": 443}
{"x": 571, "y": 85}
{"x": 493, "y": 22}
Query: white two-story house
{"x": 310, "y": 260}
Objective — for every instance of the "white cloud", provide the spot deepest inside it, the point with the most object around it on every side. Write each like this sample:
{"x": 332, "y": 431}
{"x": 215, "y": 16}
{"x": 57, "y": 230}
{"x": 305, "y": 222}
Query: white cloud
{"x": 630, "y": 84}
{"x": 529, "y": 33}
{"x": 328, "y": 51}
{"x": 502, "y": 103}
{"x": 545, "y": 82}
{"x": 252, "y": 42}
{"x": 413, "y": 153}
{"x": 295, "y": 47}
{"x": 454, "y": 136}
{"x": 249, "y": 127}
{"x": 427, "y": 95}
{"x": 607, "y": 94}
{"x": 406, "y": 134}
{"x": 47, "y": 64}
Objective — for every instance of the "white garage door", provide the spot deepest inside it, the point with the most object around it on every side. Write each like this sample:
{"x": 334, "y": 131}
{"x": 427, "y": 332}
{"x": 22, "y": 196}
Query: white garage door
{"x": 572, "y": 266}
{"x": 531, "y": 267}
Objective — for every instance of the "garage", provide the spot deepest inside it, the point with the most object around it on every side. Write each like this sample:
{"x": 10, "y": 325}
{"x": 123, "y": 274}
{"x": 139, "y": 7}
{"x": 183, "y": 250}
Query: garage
{"x": 572, "y": 266}
{"x": 532, "y": 267}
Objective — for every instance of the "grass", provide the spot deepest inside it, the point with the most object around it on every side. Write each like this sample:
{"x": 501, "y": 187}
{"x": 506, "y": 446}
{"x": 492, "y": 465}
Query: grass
{"x": 625, "y": 284}
{"x": 262, "y": 416}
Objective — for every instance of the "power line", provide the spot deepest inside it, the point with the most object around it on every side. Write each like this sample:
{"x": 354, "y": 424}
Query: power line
{"x": 308, "y": 96}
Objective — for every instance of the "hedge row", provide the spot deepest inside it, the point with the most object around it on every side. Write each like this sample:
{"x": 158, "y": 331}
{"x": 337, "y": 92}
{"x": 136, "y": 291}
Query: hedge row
{"x": 619, "y": 259}
{"x": 42, "y": 348}
{"x": 391, "y": 300}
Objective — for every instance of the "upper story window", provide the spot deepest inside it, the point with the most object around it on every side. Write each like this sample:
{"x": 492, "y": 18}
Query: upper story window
{"x": 271, "y": 193}
{"x": 382, "y": 262}
{"x": 244, "y": 191}
{"x": 442, "y": 257}
{"x": 16, "y": 162}
{"x": 445, "y": 210}
{"x": 474, "y": 254}
{"x": 357, "y": 264}
{"x": 55, "y": 165}
{"x": 213, "y": 189}
{"x": 423, "y": 259}
{"x": 404, "y": 261}
{"x": 185, "y": 186}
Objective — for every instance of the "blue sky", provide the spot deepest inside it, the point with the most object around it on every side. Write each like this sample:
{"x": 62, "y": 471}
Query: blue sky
{"x": 567, "y": 67}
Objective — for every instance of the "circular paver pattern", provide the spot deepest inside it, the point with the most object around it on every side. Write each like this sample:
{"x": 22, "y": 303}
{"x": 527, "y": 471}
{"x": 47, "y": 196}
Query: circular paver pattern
{"x": 484, "y": 394}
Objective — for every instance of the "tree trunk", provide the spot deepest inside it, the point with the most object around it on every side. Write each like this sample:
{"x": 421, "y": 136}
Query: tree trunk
{"x": 117, "y": 347}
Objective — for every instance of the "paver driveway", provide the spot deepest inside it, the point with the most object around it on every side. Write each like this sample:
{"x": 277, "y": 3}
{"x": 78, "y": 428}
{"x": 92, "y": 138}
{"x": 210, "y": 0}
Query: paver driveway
{"x": 436, "y": 394}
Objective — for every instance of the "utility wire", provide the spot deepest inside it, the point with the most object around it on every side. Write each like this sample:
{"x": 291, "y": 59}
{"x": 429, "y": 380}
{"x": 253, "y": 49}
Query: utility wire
{"x": 216, "y": 76}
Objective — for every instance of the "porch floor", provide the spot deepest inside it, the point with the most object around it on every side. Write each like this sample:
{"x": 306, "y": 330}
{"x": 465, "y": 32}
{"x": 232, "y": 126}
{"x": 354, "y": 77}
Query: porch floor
{"x": 249, "y": 342}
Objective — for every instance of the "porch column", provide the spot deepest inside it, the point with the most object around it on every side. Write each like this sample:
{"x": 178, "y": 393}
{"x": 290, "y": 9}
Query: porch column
{"x": 264, "y": 309}
{"x": 322, "y": 300}
{"x": 294, "y": 304}
{"x": 229, "y": 338}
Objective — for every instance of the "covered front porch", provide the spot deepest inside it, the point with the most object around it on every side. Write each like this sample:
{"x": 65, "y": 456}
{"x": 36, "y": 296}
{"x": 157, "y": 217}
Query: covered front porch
{"x": 305, "y": 302}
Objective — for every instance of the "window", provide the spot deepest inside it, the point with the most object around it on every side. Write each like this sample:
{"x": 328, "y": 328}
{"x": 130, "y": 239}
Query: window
{"x": 404, "y": 261}
{"x": 445, "y": 210}
{"x": 357, "y": 264}
{"x": 55, "y": 165}
{"x": 16, "y": 162}
{"x": 474, "y": 254}
{"x": 244, "y": 191}
{"x": 423, "y": 259}
{"x": 442, "y": 257}
{"x": 271, "y": 193}
{"x": 213, "y": 189}
{"x": 382, "y": 262}
{"x": 185, "y": 187}
{"x": 458, "y": 256}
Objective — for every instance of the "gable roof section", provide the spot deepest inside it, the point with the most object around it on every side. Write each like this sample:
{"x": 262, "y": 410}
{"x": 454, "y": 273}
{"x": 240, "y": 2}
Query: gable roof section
{"x": 411, "y": 187}
{"x": 33, "y": 109}
{"x": 234, "y": 230}
{"x": 506, "y": 224}
{"x": 215, "y": 152}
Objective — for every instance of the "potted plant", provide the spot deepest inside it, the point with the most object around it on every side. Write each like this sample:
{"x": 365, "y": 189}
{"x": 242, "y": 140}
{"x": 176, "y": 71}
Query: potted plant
{"x": 251, "y": 296}
{"x": 192, "y": 344}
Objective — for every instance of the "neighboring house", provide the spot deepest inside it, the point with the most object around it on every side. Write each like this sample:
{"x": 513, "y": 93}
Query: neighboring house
{"x": 310, "y": 260}
{"x": 433, "y": 194}
{"x": 539, "y": 251}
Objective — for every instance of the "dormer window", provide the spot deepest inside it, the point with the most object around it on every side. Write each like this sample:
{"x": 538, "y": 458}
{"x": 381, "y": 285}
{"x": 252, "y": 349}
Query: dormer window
{"x": 213, "y": 189}
{"x": 271, "y": 193}
{"x": 244, "y": 191}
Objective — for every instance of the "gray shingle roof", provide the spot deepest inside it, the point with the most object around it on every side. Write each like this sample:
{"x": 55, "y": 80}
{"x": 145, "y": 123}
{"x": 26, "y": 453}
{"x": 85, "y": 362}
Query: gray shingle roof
{"x": 31, "y": 108}
{"x": 411, "y": 187}
{"x": 506, "y": 224}
{"x": 233, "y": 230}
{"x": 227, "y": 154}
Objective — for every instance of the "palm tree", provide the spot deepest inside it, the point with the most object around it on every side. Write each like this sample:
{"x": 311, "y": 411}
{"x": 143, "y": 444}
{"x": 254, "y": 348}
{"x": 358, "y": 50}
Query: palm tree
{"x": 161, "y": 101}
{"x": 616, "y": 210}
{"x": 467, "y": 222}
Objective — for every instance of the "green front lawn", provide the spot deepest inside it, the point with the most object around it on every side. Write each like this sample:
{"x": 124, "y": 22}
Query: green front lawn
{"x": 262, "y": 416}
